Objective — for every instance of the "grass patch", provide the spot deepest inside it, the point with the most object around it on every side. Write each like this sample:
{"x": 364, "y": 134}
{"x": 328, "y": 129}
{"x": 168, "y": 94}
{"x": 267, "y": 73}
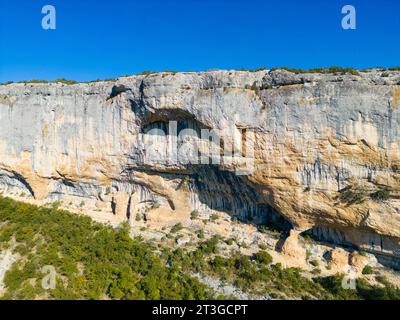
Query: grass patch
{"x": 96, "y": 261}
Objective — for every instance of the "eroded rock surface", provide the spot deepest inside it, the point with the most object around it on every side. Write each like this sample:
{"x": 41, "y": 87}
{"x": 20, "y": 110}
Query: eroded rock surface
{"x": 320, "y": 151}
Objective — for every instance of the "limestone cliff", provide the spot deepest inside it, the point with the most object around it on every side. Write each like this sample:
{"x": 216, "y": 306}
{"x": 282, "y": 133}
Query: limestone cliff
{"x": 320, "y": 150}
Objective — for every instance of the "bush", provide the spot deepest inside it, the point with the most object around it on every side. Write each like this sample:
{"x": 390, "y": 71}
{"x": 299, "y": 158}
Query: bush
{"x": 252, "y": 70}
{"x": 65, "y": 81}
{"x": 146, "y": 73}
{"x": 102, "y": 80}
{"x": 316, "y": 271}
{"x": 263, "y": 246}
{"x": 34, "y": 81}
{"x": 368, "y": 270}
{"x": 314, "y": 263}
{"x": 177, "y": 227}
{"x": 328, "y": 70}
{"x": 210, "y": 246}
{"x": 112, "y": 265}
{"x": 200, "y": 234}
{"x": 381, "y": 195}
{"x": 214, "y": 217}
{"x": 95, "y": 261}
{"x": 155, "y": 205}
{"x": 353, "y": 194}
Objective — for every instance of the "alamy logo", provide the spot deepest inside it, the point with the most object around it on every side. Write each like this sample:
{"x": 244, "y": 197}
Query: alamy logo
{"x": 349, "y": 20}
{"x": 49, "y": 20}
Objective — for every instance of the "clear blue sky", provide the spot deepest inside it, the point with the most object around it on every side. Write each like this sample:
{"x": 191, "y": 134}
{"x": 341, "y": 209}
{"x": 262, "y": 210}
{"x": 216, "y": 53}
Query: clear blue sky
{"x": 100, "y": 39}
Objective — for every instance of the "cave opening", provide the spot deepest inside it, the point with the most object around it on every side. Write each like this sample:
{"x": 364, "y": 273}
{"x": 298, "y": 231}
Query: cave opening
{"x": 227, "y": 192}
{"x": 218, "y": 189}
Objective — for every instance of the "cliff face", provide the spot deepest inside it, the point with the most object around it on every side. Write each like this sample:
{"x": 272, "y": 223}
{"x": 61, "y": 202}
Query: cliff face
{"x": 319, "y": 150}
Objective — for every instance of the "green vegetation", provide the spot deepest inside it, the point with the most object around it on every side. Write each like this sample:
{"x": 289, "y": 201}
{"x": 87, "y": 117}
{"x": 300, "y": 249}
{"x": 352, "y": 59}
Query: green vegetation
{"x": 186, "y": 179}
{"x": 166, "y": 72}
{"x": 252, "y": 274}
{"x": 155, "y": 205}
{"x": 357, "y": 193}
{"x": 177, "y": 228}
{"x": 200, "y": 234}
{"x": 95, "y": 261}
{"x": 59, "y": 80}
{"x": 101, "y": 80}
{"x": 252, "y": 70}
{"x": 364, "y": 290}
{"x": 353, "y": 194}
{"x": 332, "y": 69}
{"x": 210, "y": 246}
{"x": 34, "y": 81}
{"x": 362, "y": 253}
{"x": 146, "y": 73}
{"x": 256, "y": 274}
{"x": 263, "y": 257}
{"x": 381, "y": 195}
{"x": 394, "y": 69}
{"x": 255, "y": 87}
{"x": 194, "y": 215}
{"x": 328, "y": 70}
{"x": 263, "y": 246}
{"x": 65, "y": 81}
{"x": 214, "y": 217}
{"x": 308, "y": 238}
{"x": 92, "y": 261}
{"x": 368, "y": 270}
{"x": 316, "y": 271}
{"x": 314, "y": 263}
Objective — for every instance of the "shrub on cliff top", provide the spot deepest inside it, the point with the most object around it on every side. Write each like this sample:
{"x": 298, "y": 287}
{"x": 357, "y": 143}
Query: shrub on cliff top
{"x": 368, "y": 270}
{"x": 146, "y": 73}
{"x": 328, "y": 70}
